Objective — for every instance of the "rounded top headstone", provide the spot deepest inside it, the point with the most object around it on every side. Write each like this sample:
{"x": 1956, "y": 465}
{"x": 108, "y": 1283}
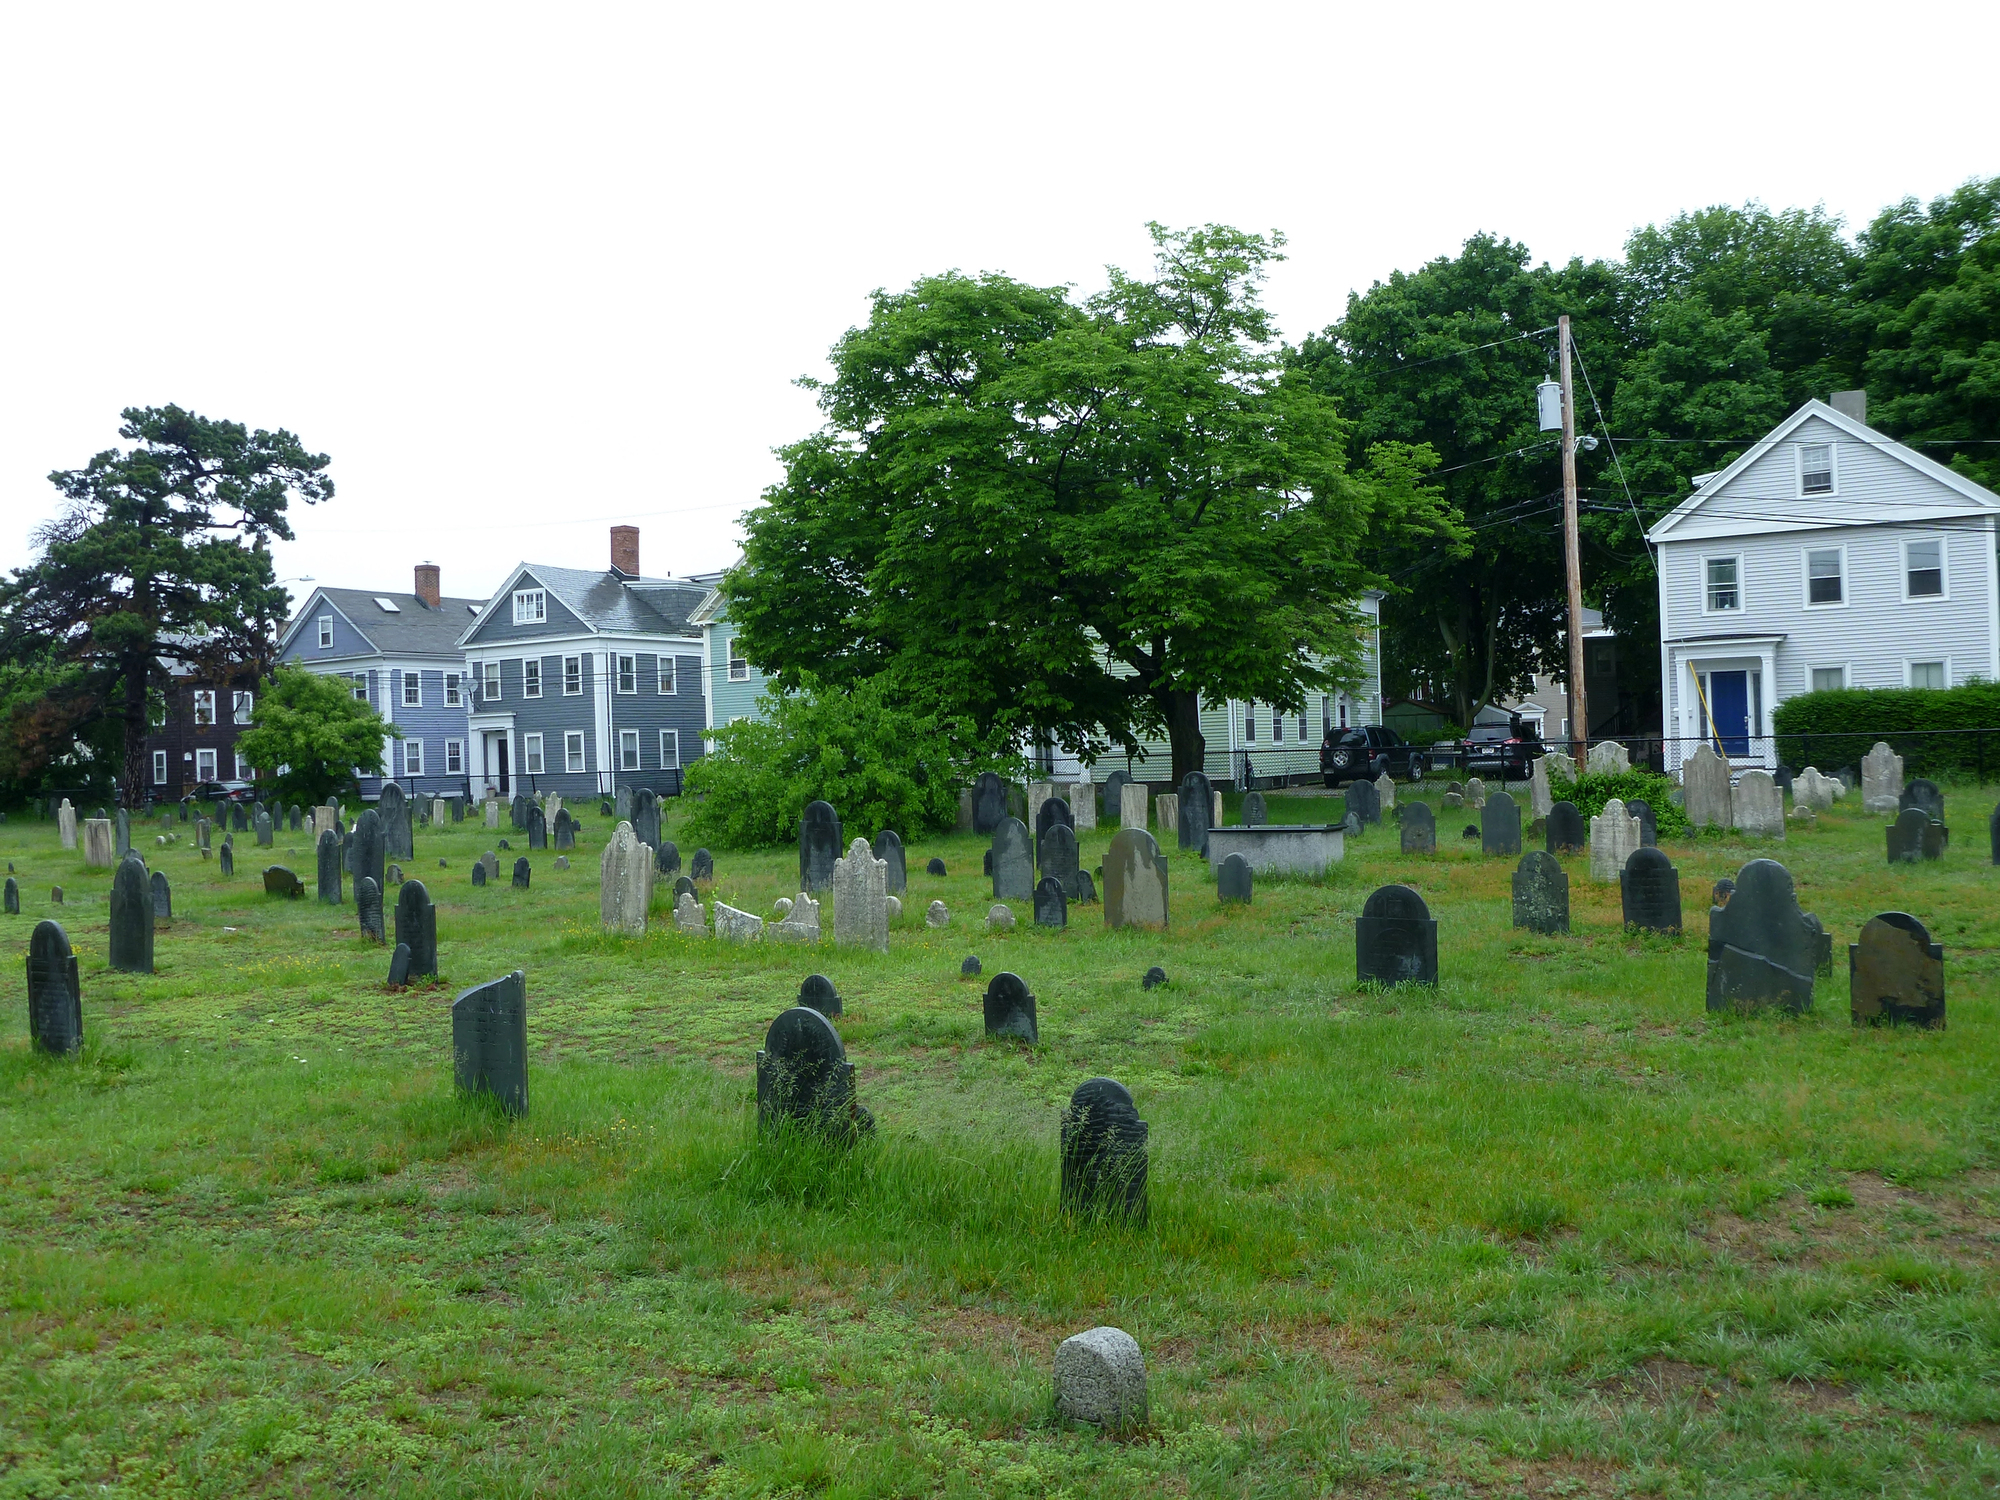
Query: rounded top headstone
{"x": 970, "y": 966}
{"x": 1396, "y": 902}
{"x": 802, "y": 1032}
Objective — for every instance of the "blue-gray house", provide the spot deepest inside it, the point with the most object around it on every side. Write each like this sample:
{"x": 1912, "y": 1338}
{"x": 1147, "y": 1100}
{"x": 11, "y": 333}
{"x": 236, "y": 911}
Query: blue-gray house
{"x": 399, "y": 652}
{"x": 586, "y": 681}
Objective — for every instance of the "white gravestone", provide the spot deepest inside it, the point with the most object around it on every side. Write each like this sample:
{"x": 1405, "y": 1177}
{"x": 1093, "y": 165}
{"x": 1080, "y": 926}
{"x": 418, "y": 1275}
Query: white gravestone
{"x": 1132, "y": 798}
{"x": 1881, "y": 780}
{"x": 1083, "y": 804}
{"x": 1539, "y": 798}
{"x": 1705, "y": 784}
{"x": 625, "y": 883}
{"x": 1385, "y": 788}
{"x": 1614, "y": 834}
{"x": 1609, "y": 758}
{"x": 1100, "y": 1378}
{"x": 800, "y": 921}
{"x": 688, "y": 915}
{"x": 740, "y": 926}
{"x": 1814, "y": 791}
{"x": 861, "y": 898}
{"x": 1757, "y": 805}
{"x": 938, "y": 915}
{"x": 97, "y": 843}
{"x": 66, "y": 824}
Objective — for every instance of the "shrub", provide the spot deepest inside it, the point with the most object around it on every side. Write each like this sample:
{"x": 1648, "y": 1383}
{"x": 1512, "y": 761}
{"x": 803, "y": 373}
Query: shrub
{"x": 312, "y": 737}
{"x": 1834, "y": 729}
{"x": 880, "y": 761}
{"x": 1591, "y": 792}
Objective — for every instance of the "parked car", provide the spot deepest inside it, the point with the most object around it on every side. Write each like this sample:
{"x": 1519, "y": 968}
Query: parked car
{"x": 223, "y": 791}
{"x": 1503, "y": 750}
{"x": 1363, "y": 753}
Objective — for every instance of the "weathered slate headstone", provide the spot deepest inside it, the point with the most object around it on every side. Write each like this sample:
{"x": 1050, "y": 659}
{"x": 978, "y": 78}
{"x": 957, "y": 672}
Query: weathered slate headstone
{"x": 458, "y": 809}
{"x": 122, "y": 826}
{"x": 416, "y": 925}
{"x": 1135, "y": 881}
{"x": 861, "y": 899}
{"x": 1233, "y": 880}
{"x": 888, "y": 847}
{"x": 624, "y": 882}
{"x": 239, "y": 820}
{"x": 1085, "y": 889}
{"x": 818, "y": 993}
{"x": 1100, "y": 1380}
{"x": 66, "y": 828}
{"x": 1500, "y": 826}
{"x": 1133, "y": 797}
{"x": 1925, "y": 794}
{"x": 621, "y": 805}
{"x": 225, "y": 858}
{"x": 819, "y": 847}
{"x": 1419, "y": 828}
{"x": 98, "y": 844}
{"x": 1111, "y": 798}
{"x": 1541, "y": 894}
{"x": 1564, "y": 831}
{"x": 1010, "y": 1009}
{"x": 1104, "y": 1153}
{"x": 1364, "y": 802}
{"x": 479, "y": 872}
{"x": 1256, "y": 813}
{"x": 1059, "y": 860}
{"x": 489, "y": 1041}
{"x": 524, "y": 873}
{"x": 1761, "y": 949}
{"x": 1915, "y": 836}
{"x": 279, "y": 881}
{"x": 701, "y": 869}
{"x": 565, "y": 830}
{"x": 370, "y": 852}
{"x": 1881, "y": 780}
{"x": 1614, "y": 834}
{"x": 295, "y": 818}
{"x": 667, "y": 859}
{"x": 55, "y": 999}
{"x": 1167, "y": 814}
{"x": 159, "y": 888}
{"x": 12, "y": 897}
{"x": 1195, "y": 811}
{"x": 646, "y": 817}
{"x": 131, "y": 918}
{"x": 989, "y": 802}
{"x": 202, "y": 827}
{"x": 1540, "y": 798}
{"x": 1649, "y": 891}
{"x": 1895, "y": 973}
{"x": 1013, "y": 862}
{"x": 1051, "y": 904}
{"x": 1757, "y": 806}
{"x": 263, "y": 830}
{"x": 1649, "y": 826}
{"x": 1395, "y": 939}
{"x": 55, "y": 895}
{"x": 804, "y": 1080}
{"x": 1083, "y": 803}
{"x": 1053, "y": 813}
{"x": 1705, "y": 784}
{"x": 368, "y": 908}
{"x": 392, "y": 808}
{"x": 538, "y": 828}
{"x": 492, "y": 815}
{"x": 517, "y": 811}
{"x": 492, "y": 863}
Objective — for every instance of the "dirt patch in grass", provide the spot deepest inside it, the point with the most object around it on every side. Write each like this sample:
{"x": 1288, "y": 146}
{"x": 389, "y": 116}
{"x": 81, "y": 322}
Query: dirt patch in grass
{"x": 1954, "y": 1221}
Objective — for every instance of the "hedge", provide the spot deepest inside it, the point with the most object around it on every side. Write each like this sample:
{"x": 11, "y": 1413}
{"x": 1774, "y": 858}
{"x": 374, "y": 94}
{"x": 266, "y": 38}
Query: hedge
{"x": 1590, "y": 791}
{"x": 1835, "y": 729}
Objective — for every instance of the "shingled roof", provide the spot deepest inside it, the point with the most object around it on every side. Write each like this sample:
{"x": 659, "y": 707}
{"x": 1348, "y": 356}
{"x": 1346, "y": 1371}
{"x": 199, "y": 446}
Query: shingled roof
{"x": 414, "y": 629}
{"x": 606, "y": 601}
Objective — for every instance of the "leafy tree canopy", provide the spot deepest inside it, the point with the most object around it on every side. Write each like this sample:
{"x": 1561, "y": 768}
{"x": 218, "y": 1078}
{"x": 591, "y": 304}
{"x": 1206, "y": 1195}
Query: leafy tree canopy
{"x": 313, "y": 737}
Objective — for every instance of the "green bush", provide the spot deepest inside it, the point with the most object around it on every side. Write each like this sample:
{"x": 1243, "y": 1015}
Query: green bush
{"x": 1590, "y": 793}
{"x": 879, "y": 761}
{"x": 312, "y": 738}
{"x": 1835, "y": 729}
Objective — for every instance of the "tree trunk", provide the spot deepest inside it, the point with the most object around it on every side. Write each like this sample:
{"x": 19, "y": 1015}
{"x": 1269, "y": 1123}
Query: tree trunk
{"x": 132, "y": 719}
{"x": 1183, "y": 711}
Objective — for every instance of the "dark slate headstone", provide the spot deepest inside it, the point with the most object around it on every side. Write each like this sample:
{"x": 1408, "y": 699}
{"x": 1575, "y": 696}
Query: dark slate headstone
{"x": 1364, "y": 801}
{"x": 970, "y": 967}
{"x": 804, "y": 1079}
{"x": 1255, "y": 812}
{"x": 505, "y": 845}
{"x": 605, "y": 809}
{"x": 1541, "y": 894}
{"x": 225, "y": 858}
{"x": 1420, "y": 834}
{"x": 1761, "y": 949}
{"x": 1053, "y": 813}
{"x": 123, "y": 835}
{"x": 936, "y": 866}
{"x": 399, "y": 967}
{"x": 370, "y": 852}
{"x": 239, "y": 820}
{"x": 1135, "y": 875}
{"x": 523, "y": 873}
{"x": 621, "y": 805}
{"x": 489, "y": 1041}
{"x": 1111, "y": 799}
{"x": 368, "y": 908}
{"x": 184, "y": 809}
{"x": 565, "y": 830}
{"x": 1649, "y": 890}
{"x": 1915, "y": 835}
{"x": 55, "y": 999}
{"x": 1104, "y": 1153}
{"x": 818, "y": 993}
{"x": 1649, "y": 825}
{"x": 295, "y": 818}
{"x": 989, "y": 802}
{"x": 1500, "y": 825}
{"x": 416, "y": 924}
{"x": 55, "y": 895}
{"x": 1782, "y": 776}
{"x": 393, "y": 808}
{"x": 538, "y": 829}
{"x": 264, "y": 830}
{"x": 702, "y": 866}
{"x": 458, "y": 809}
{"x": 1010, "y": 1009}
{"x": 1058, "y": 855}
{"x": 1896, "y": 973}
{"x": 986, "y": 864}
{"x": 1823, "y": 951}
{"x": 682, "y": 887}
{"x": 888, "y": 848}
{"x": 1232, "y": 880}
{"x": 667, "y": 858}
{"x": 1153, "y": 978}
{"x": 1013, "y": 862}
{"x": 131, "y": 918}
{"x": 279, "y": 881}
{"x": 646, "y": 817}
{"x": 1197, "y": 810}
{"x": 12, "y": 898}
{"x": 1566, "y": 831}
{"x": 1051, "y": 903}
{"x": 1395, "y": 939}
{"x": 479, "y": 872}
{"x": 517, "y": 810}
{"x": 1084, "y": 890}
{"x": 1924, "y": 794}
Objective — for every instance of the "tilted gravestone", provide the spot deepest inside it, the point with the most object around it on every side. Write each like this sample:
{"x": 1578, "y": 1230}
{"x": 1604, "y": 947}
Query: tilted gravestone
{"x": 399, "y": 967}
{"x": 489, "y": 1041}
{"x": 1059, "y": 859}
{"x": 1649, "y": 824}
{"x": 538, "y": 829}
{"x": 1395, "y": 939}
{"x": 565, "y": 830}
{"x": 989, "y": 802}
{"x": 369, "y": 850}
{"x": 1895, "y": 973}
{"x": 646, "y": 817}
{"x": 225, "y": 858}
{"x": 702, "y": 867}
{"x": 1541, "y": 894}
{"x": 1500, "y": 826}
{"x": 1881, "y": 780}
{"x": 1756, "y": 806}
{"x": 1233, "y": 880}
{"x": 625, "y": 883}
{"x": 1419, "y": 826}
{"x": 888, "y": 847}
{"x": 1924, "y": 794}
{"x": 1051, "y": 904}
{"x": 416, "y": 925}
{"x": 1614, "y": 834}
{"x": 1052, "y": 814}
{"x": 804, "y": 1080}
{"x": 368, "y": 909}
{"x": 55, "y": 999}
{"x": 667, "y": 859}
{"x": 1013, "y": 862}
{"x": 1256, "y": 813}
{"x": 12, "y": 897}
{"x": 1104, "y": 1153}
{"x": 1649, "y": 891}
{"x": 159, "y": 888}
{"x": 523, "y": 873}
{"x": 1564, "y": 831}
{"x": 131, "y": 918}
{"x": 1010, "y": 1009}
{"x": 1914, "y": 836}
{"x": 1761, "y": 949}
{"x": 1110, "y": 797}
{"x": 1135, "y": 881}
{"x": 1705, "y": 788}
{"x": 279, "y": 881}
{"x": 1196, "y": 811}
{"x": 861, "y": 899}
{"x": 1364, "y": 801}
{"x": 818, "y": 993}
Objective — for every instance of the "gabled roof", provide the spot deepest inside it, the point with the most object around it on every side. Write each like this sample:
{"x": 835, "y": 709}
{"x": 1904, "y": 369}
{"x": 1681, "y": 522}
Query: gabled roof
{"x": 605, "y": 600}
{"x": 412, "y": 629}
{"x": 1833, "y": 511}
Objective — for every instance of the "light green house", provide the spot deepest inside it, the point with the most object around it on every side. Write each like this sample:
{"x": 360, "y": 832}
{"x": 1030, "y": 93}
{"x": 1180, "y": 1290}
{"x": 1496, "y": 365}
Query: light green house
{"x": 730, "y": 685}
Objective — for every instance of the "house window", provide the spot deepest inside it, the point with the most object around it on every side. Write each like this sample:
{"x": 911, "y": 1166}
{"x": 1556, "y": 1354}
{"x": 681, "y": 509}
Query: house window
{"x": 628, "y": 749}
{"x": 1325, "y": 712}
{"x": 360, "y": 687}
{"x": 1250, "y": 723}
{"x": 1277, "y": 727}
{"x": 1828, "y": 679}
{"x": 1723, "y": 593}
{"x": 413, "y": 690}
{"x": 1815, "y": 468}
{"x": 572, "y": 676}
{"x": 204, "y": 706}
{"x": 243, "y": 771}
{"x": 159, "y": 768}
{"x": 1305, "y": 729}
{"x": 531, "y": 677}
{"x": 451, "y": 697}
{"x": 1928, "y": 674}
{"x": 1343, "y": 713}
{"x": 489, "y": 690}
{"x": 739, "y": 669}
{"x": 204, "y": 765}
{"x": 326, "y": 632}
{"x": 573, "y": 750}
{"x": 670, "y": 749}
{"x": 1824, "y": 566}
{"x": 413, "y": 757}
{"x": 530, "y": 607}
{"x": 666, "y": 674}
{"x": 240, "y": 706}
{"x": 628, "y": 674}
{"x": 454, "y": 757}
{"x": 531, "y": 752}
{"x": 1924, "y": 565}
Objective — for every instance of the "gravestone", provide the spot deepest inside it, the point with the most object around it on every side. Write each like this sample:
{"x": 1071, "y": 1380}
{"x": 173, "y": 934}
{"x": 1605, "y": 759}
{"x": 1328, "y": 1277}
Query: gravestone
{"x": 969, "y": 969}
{"x": 493, "y": 815}
{"x": 861, "y": 899}
{"x": 1083, "y": 803}
{"x": 1153, "y": 978}
{"x": 1059, "y": 861}
{"x": 1085, "y": 891}
{"x": 1564, "y": 832}
{"x": 1233, "y": 880}
{"x": 416, "y": 926}
{"x": 804, "y": 1080}
{"x": 817, "y": 993}
{"x": 937, "y": 914}
{"x": 55, "y": 895}
{"x": 122, "y": 834}
{"x": 999, "y": 919}
{"x": 1541, "y": 894}
{"x": 517, "y": 811}
{"x": 201, "y": 833}
{"x": 1256, "y": 814}
{"x": 1705, "y": 783}
{"x": 369, "y": 851}
{"x": 1195, "y": 811}
{"x": 1757, "y": 806}
{"x": 667, "y": 859}
{"x": 888, "y": 847}
{"x": 1614, "y": 834}
{"x": 11, "y": 899}
{"x": 1100, "y": 1380}
{"x": 523, "y": 873}
{"x": 131, "y": 918}
{"x": 1608, "y": 758}
{"x": 263, "y": 830}
{"x": 1810, "y": 789}
{"x": 1924, "y": 794}
{"x": 989, "y": 802}
{"x": 624, "y": 882}
{"x": 1133, "y": 797}
{"x": 819, "y": 848}
{"x": 1104, "y": 1153}
{"x": 279, "y": 881}
{"x": 1395, "y": 939}
{"x": 492, "y": 863}
{"x": 1895, "y": 973}
{"x": 1915, "y": 836}
{"x": 1721, "y": 892}
{"x": 395, "y": 874}
{"x": 393, "y": 809}
{"x": 489, "y": 1042}
{"x": 701, "y": 869}
{"x": 1500, "y": 826}
{"x": 1135, "y": 881}
{"x": 1053, "y": 813}
{"x": 1167, "y": 813}
{"x": 683, "y": 887}
{"x": 1475, "y": 792}
{"x": 1419, "y": 828}
{"x": 1013, "y": 862}
{"x": 1649, "y": 825}
{"x": 798, "y": 923}
{"x": 538, "y": 828}
{"x": 1881, "y": 780}
{"x": 326, "y": 868}
{"x": 1111, "y": 797}
{"x": 565, "y": 830}
{"x": 295, "y": 818}
{"x": 1649, "y": 891}
{"x": 1761, "y": 949}
{"x": 1385, "y": 792}
{"x": 98, "y": 843}
{"x": 1540, "y": 798}
{"x": 458, "y": 809}
{"x": 479, "y": 872}
{"x": 1051, "y": 904}
{"x": 986, "y": 864}
{"x": 621, "y": 805}
{"x": 55, "y": 998}
{"x": 1010, "y": 1009}
{"x": 239, "y": 820}
{"x": 368, "y": 908}
{"x": 66, "y": 827}
{"x": 688, "y": 916}
{"x": 646, "y": 817}
{"x": 1364, "y": 802}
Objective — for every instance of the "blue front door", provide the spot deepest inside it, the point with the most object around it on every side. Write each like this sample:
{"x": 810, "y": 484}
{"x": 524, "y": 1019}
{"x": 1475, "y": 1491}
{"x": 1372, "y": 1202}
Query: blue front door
{"x": 1729, "y": 702}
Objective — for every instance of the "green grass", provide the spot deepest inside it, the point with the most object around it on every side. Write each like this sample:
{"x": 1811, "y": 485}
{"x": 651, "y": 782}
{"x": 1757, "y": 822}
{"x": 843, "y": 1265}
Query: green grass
{"x": 1549, "y": 1229}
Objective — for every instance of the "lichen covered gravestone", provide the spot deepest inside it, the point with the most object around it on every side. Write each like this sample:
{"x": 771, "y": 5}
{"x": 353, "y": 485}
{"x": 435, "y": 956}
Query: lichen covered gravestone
{"x": 263, "y": 830}
{"x": 1385, "y": 791}
{"x": 1541, "y": 894}
{"x": 1895, "y": 973}
{"x": 1010, "y": 1009}
{"x": 1608, "y": 758}
{"x": 737, "y": 926}
{"x": 1100, "y": 1379}
{"x": 1757, "y": 807}
{"x": 804, "y": 1080}
{"x": 416, "y": 927}
{"x": 1649, "y": 891}
{"x": 860, "y": 899}
{"x": 1135, "y": 881}
{"x": 1761, "y": 949}
{"x": 1103, "y": 1143}
{"x": 392, "y": 809}
{"x": 66, "y": 825}
{"x": 1419, "y": 828}
{"x": 55, "y": 998}
{"x": 1881, "y": 780}
{"x": 667, "y": 858}
{"x": 1475, "y": 792}
{"x": 1705, "y": 788}
{"x": 489, "y": 1041}
{"x": 937, "y": 914}
{"x": 798, "y": 924}
{"x": 1500, "y": 826}
{"x": 688, "y": 915}
{"x": 624, "y": 882}
{"x": 1083, "y": 803}
{"x": 1614, "y": 834}
{"x": 98, "y": 843}
{"x": 1395, "y": 939}
{"x": 1812, "y": 790}
{"x": 999, "y": 919}
{"x": 1013, "y": 862}
{"x": 131, "y": 918}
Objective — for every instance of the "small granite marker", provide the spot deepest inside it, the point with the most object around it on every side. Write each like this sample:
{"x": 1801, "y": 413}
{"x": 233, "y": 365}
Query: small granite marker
{"x": 1100, "y": 1379}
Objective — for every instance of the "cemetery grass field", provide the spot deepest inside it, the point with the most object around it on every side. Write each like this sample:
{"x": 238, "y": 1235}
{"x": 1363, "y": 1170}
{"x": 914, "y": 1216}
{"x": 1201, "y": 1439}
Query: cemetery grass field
{"x": 1550, "y": 1229}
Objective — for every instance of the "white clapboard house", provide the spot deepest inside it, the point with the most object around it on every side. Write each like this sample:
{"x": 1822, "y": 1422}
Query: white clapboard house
{"x": 1827, "y": 556}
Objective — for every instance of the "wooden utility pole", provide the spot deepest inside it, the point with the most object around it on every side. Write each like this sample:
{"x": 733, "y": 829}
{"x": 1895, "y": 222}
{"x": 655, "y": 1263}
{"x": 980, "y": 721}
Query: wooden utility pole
{"x": 1579, "y": 713}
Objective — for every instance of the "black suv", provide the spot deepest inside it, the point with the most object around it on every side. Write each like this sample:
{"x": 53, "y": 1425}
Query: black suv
{"x": 1508, "y": 751}
{"x": 1362, "y": 754}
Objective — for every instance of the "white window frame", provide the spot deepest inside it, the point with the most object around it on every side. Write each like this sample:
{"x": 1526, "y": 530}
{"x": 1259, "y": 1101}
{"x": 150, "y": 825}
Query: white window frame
{"x": 1910, "y": 666}
{"x": 739, "y": 667}
{"x": 531, "y": 754}
{"x": 1841, "y": 667}
{"x": 531, "y": 677}
{"x": 413, "y": 690}
{"x": 452, "y": 696}
{"x": 244, "y": 770}
{"x": 204, "y": 707}
{"x": 1832, "y": 469}
{"x": 416, "y": 767}
{"x": 242, "y": 705}
{"x": 573, "y": 761}
{"x": 626, "y": 664}
{"x": 1277, "y": 725}
{"x": 1944, "y": 568}
{"x": 326, "y": 632}
{"x": 572, "y": 676}
{"x": 670, "y": 749}
{"x": 531, "y": 606}
{"x": 359, "y": 682}
{"x": 204, "y": 758}
{"x": 1805, "y": 577}
{"x": 1250, "y": 723}
{"x": 628, "y": 739}
{"x": 454, "y": 757}
{"x": 1706, "y": 586}
{"x": 668, "y": 671}
{"x": 159, "y": 768}
{"x": 489, "y": 687}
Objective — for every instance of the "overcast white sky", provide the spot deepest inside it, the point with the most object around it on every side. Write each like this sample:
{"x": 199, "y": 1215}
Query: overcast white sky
{"x": 525, "y": 273}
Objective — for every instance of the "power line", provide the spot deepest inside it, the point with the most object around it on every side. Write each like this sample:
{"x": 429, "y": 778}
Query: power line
{"x": 1612, "y": 444}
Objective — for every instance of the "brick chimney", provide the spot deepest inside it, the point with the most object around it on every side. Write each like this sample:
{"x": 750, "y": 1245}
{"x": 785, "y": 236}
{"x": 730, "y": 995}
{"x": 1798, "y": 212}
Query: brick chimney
{"x": 625, "y": 551}
{"x": 1850, "y": 404}
{"x": 427, "y": 585}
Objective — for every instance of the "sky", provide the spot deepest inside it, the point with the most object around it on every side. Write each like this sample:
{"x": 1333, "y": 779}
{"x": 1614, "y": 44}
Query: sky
{"x": 526, "y": 273}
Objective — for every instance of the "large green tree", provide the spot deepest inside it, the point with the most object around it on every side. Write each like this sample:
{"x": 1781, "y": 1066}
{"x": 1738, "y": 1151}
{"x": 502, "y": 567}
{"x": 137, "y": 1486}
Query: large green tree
{"x": 313, "y": 737}
{"x": 1070, "y": 519}
{"x": 160, "y": 556}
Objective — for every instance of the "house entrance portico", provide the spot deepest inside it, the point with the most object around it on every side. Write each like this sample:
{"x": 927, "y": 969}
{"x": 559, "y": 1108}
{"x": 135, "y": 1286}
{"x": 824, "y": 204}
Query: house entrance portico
{"x": 493, "y": 759}
{"x": 1721, "y": 688}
